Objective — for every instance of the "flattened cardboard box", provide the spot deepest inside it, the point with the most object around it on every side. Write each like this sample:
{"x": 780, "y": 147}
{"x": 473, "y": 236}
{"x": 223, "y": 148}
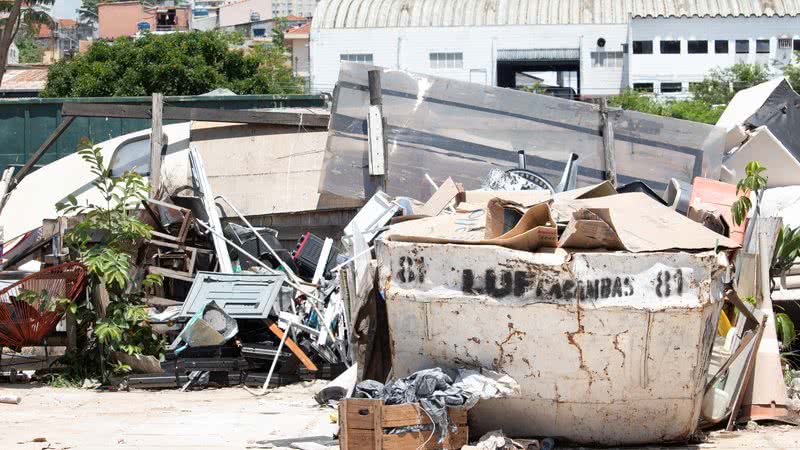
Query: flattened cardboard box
{"x": 534, "y": 230}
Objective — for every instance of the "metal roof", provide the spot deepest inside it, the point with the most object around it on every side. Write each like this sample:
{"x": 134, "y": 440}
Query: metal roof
{"x": 453, "y": 13}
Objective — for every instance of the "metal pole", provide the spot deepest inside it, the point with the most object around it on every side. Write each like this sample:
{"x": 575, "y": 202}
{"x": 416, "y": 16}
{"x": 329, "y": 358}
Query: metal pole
{"x": 608, "y": 143}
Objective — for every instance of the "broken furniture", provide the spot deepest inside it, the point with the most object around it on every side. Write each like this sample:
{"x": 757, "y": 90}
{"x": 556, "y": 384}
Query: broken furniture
{"x": 31, "y": 308}
{"x": 367, "y": 424}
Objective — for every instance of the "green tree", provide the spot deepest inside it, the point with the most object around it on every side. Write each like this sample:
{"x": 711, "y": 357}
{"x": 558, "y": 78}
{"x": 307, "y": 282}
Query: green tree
{"x": 720, "y": 85}
{"x": 173, "y": 64}
{"x": 279, "y": 27}
{"x": 106, "y": 241}
{"x": 87, "y": 13}
{"x": 29, "y": 52}
{"x": 792, "y": 73}
{"x": 18, "y": 14}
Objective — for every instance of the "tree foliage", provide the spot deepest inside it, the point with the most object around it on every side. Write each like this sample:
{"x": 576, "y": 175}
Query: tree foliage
{"x": 173, "y": 64}
{"x": 29, "y": 52}
{"x": 694, "y": 110}
{"x": 709, "y": 97}
{"x": 720, "y": 85}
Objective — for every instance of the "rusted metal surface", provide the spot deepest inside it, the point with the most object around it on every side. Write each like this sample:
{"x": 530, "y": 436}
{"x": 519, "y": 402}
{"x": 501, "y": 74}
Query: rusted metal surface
{"x": 593, "y": 340}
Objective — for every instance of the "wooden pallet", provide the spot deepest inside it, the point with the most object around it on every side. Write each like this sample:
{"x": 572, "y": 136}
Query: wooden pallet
{"x": 363, "y": 423}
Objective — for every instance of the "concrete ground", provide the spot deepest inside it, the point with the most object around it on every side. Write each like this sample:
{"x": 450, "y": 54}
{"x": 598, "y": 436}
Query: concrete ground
{"x": 230, "y": 418}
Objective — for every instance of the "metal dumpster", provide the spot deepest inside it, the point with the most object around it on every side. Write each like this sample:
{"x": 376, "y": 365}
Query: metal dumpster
{"x": 608, "y": 348}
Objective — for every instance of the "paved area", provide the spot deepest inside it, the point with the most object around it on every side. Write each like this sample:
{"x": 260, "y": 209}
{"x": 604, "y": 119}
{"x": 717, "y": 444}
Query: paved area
{"x": 50, "y": 418}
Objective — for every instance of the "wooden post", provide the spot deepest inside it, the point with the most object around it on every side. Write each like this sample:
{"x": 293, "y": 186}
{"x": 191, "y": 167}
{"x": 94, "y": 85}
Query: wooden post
{"x": 608, "y": 143}
{"x": 378, "y": 155}
{"x": 156, "y": 142}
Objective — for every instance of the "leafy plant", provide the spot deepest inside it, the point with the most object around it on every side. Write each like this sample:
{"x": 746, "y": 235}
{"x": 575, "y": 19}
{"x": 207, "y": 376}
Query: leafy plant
{"x": 106, "y": 240}
{"x": 785, "y": 328}
{"x": 754, "y": 182}
{"x": 787, "y": 249}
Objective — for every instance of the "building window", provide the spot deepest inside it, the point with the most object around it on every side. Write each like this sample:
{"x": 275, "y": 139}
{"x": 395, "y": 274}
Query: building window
{"x": 447, "y": 60}
{"x": 608, "y": 59}
{"x": 642, "y": 47}
{"x": 762, "y": 46}
{"x": 698, "y": 47}
{"x": 643, "y": 87}
{"x": 670, "y": 47}
{"x": 720, "y": 46}
{"x": 363, "y": 58}
{"x": 784, "y": 43}
{"x": 671, "y": 87}
{"x": 743, "y": 46}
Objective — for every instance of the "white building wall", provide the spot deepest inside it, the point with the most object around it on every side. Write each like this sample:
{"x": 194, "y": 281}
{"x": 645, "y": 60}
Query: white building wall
{"x": 239, "y": 12}
{"x": 685, "y": 67}
{"x": 410, "y": 48}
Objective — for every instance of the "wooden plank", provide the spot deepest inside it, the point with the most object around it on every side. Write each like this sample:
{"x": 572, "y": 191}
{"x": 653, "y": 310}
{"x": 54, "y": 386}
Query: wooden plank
{"x": 114, "y": 110}
{"x": 412, "y": 414}
{"x": 424, "y": 440}
{"x": 156, "y": 142}
{"x": 355, "y": 439}
{"x": 360, "y": 412}
{"x": 160, "y": 301}
{"x": 308, "y": 120}
{"x": 37, "y": 155}
{"x": 169, "y": 273}
{"x": 293, "y": 347}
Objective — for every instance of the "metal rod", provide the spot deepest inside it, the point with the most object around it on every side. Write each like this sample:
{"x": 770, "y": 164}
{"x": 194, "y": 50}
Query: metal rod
{"x": 273, "y": 271}
{"x": 258, "y": 235}
{"x": 272, "y": 367}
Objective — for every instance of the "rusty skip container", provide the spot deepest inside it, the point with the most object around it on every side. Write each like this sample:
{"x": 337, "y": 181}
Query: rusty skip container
{"x": 608, "y": 348}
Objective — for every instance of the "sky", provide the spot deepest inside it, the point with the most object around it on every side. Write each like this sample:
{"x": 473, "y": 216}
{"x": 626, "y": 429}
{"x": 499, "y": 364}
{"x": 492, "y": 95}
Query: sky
{"x": 65, "y": 9}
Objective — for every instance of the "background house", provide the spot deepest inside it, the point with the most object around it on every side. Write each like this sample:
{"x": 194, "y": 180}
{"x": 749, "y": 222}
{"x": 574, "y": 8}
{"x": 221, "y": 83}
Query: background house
{"x": 129, "y": 18}
{"x": 599, "y": 48}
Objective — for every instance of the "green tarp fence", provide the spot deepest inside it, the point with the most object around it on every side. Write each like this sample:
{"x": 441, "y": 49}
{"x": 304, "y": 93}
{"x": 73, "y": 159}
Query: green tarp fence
{"x": 26, "y": 123}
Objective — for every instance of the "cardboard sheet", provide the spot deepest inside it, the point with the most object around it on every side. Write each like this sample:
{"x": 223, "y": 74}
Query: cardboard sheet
{"x": 644, "y": 225}
{"x": 591, "y": 229}
{"x": 534, "y": 230}
{"x": 440, "y": 199}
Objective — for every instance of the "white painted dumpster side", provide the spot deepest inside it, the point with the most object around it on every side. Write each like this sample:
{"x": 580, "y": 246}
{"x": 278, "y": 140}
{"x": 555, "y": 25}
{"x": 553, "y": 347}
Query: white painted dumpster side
{"x": 608, "y": 348}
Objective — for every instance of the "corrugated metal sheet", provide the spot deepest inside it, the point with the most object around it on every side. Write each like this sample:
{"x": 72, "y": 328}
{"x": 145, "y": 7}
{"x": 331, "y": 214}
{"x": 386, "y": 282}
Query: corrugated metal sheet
{"x": 452, "y": 13}
{"x": 24, "y": 78}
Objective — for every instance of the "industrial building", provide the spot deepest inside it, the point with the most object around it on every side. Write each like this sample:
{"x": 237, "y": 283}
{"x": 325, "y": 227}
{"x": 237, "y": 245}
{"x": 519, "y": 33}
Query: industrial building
{"x": 596, "y": 47}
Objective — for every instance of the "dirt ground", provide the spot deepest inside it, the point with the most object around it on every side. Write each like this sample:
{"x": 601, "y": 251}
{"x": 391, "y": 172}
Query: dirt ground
{"x": 51, "y": 418}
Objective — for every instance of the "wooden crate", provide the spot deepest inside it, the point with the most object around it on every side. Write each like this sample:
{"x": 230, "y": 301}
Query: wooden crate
{"x": 362, "y": 423}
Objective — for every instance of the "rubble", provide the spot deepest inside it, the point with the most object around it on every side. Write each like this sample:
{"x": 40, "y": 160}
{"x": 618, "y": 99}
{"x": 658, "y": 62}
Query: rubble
{"x": 517, "y": 302}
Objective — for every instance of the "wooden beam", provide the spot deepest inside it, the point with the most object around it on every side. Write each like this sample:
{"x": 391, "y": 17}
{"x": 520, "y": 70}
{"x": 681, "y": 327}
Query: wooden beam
{"x": 293, "y": 347}
{"x": 309, "y": 120}
{"x": 26, "y": 169}
{"x": 156, "y": 138}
